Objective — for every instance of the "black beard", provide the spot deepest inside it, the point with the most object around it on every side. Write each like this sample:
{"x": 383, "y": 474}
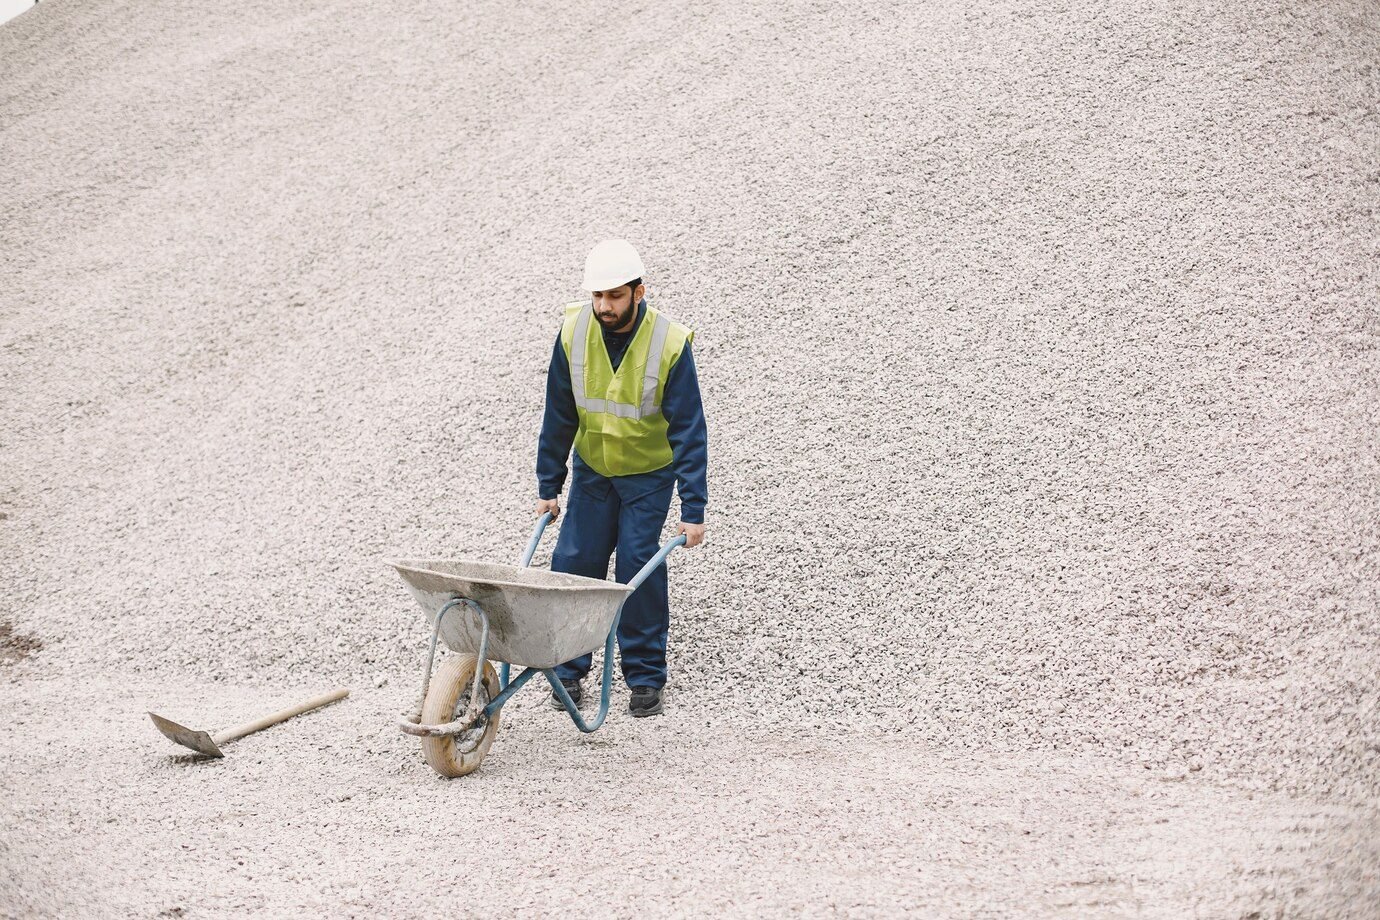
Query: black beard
{"x": 617, "y": 322}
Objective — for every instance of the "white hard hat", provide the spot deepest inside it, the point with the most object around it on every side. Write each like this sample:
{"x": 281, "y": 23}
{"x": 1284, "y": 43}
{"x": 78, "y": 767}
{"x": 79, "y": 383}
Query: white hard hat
{"x": 610, "y": 264}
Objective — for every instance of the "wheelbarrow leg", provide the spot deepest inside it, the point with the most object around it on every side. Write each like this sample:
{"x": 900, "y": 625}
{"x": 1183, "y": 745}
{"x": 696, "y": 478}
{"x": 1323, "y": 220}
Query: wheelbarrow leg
{"x": 605, "y": 686}
{"x": 431, "y": 655}
{"x": 416, "y": 715}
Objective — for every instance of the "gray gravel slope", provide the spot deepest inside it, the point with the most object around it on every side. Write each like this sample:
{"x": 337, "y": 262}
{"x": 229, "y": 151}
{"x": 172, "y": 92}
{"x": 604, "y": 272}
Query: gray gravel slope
{"x": 1038, "y": 345}
{"x": 660, "y": 817}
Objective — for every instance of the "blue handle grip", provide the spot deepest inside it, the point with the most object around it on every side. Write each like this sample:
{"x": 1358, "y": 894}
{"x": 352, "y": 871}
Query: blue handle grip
{"x": 536, "y": 538}
{"x": 655, "y": 561}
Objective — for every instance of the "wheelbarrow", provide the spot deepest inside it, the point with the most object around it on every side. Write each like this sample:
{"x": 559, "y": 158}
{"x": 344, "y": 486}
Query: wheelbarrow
{"x": 513, "y": 615}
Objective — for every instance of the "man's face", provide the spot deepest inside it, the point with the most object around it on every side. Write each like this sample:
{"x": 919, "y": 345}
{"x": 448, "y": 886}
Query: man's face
{"x": 617, "y": 308}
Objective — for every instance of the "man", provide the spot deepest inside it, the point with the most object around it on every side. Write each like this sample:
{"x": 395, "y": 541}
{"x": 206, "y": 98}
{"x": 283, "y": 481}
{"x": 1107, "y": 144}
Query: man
{"x": 623, "y": 391}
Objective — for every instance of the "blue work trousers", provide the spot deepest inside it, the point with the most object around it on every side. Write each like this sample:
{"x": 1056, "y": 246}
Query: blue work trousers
{"x": 625, "y": 513}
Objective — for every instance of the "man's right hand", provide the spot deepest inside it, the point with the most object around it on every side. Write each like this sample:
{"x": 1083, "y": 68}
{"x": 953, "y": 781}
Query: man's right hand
{"x": 549, "y": 504}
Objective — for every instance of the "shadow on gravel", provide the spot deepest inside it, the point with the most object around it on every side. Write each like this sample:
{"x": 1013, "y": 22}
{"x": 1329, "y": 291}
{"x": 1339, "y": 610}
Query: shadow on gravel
{"x": 187, "y": 760}
{"x": 15, "y": 647}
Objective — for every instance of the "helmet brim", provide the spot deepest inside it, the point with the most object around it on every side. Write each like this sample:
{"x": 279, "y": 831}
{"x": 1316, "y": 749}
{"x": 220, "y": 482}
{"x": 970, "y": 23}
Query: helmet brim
{"x": 607, "y": 283}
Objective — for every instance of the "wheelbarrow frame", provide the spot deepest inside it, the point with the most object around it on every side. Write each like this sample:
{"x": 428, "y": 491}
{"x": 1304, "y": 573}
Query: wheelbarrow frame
{"x": 475, "y": 716}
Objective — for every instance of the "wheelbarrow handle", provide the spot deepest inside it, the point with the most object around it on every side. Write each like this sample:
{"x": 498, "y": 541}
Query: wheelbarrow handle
{"x": 536, "y": 538}
{"x": 655, "y": 561}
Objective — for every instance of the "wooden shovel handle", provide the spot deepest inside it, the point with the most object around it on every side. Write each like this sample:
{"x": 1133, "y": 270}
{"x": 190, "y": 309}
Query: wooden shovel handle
{"x": 316, "y": 702}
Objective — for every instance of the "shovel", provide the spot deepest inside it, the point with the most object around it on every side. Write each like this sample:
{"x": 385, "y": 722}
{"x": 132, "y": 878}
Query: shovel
{"x": 204, "y": 742}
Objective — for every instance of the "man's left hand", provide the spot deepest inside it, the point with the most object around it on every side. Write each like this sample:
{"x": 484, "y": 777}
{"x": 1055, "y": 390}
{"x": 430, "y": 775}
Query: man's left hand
{"x": 694, "y": 534}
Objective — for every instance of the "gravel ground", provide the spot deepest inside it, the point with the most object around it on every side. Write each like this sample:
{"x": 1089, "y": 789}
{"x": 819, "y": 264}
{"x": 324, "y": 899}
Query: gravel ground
{"x": 1039, "y": 349}
{"x": 694, "y": 815}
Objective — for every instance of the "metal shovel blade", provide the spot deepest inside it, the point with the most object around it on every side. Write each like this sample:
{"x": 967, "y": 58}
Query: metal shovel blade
{"x": 199, "y": 741}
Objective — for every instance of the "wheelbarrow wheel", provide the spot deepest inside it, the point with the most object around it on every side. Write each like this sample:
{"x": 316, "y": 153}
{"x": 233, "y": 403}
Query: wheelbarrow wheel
{"x": 447, "y": 700}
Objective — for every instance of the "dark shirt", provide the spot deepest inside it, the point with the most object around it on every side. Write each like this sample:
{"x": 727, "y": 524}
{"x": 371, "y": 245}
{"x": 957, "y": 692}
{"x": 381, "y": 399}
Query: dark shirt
{"x": 680, "y": 404}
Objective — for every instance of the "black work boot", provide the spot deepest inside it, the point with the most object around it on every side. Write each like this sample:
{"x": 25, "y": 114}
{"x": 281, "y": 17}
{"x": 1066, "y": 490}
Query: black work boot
{"x": 646, "y": 701}
{"x": 573, "y": 687}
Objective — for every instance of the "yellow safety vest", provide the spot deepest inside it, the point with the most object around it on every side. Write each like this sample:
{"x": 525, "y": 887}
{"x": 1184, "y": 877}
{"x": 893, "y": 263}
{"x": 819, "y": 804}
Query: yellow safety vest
{"x": 622, "y": 430}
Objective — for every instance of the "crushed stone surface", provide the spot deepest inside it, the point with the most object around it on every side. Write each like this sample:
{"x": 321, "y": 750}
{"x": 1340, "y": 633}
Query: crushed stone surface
{"x": 700, "y": 814}
{"x": 1038, "y": 343}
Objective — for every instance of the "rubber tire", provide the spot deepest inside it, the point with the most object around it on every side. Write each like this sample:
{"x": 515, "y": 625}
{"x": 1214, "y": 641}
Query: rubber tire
{"x": 452, "y": 681}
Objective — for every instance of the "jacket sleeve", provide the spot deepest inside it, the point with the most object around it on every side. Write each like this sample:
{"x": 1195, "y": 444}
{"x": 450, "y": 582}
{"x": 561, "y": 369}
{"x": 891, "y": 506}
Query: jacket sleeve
{"x": 558, "y": 426}
{"x": 687, "y": 432}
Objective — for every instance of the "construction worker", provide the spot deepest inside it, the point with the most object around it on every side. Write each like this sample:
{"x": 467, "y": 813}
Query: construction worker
{"x": 622, "y": 389}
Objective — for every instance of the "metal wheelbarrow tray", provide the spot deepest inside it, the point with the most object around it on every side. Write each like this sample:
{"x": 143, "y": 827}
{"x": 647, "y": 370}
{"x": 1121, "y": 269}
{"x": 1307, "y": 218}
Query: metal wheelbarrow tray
{"x": 487, "y": 612}
{"x": 537, "y": 619}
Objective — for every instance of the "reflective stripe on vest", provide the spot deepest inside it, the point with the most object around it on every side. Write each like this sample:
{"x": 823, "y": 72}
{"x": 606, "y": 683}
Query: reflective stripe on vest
{"x": 579, "y": 341}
